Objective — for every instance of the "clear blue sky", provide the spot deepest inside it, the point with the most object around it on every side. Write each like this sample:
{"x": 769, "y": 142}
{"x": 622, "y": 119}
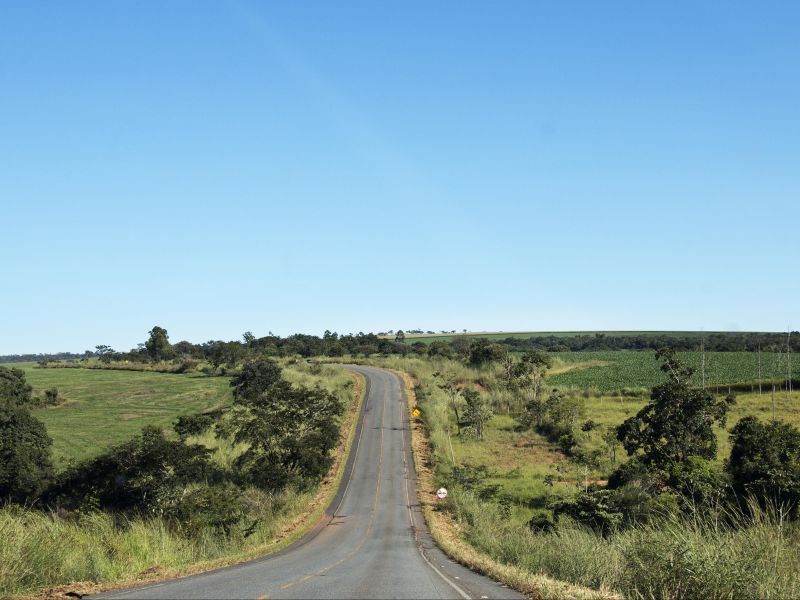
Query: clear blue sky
{"x": 220, "y": 167}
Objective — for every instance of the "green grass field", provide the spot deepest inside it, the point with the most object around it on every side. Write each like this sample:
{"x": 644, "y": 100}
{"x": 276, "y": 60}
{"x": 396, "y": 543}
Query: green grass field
{"x": 105, "y": 407}
{"x": 639, "y": 369}
{"x": 410, "y": 338}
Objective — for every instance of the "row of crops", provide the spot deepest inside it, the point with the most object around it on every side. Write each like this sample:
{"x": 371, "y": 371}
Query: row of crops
{"x": 632, "y": 369}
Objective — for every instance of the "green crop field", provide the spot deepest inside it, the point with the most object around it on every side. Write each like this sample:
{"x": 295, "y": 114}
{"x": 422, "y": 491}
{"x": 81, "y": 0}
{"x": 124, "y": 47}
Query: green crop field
{"x": 104, "y": 407}
{"x": 639, "y": 369}
{"x": 410, "y": 338}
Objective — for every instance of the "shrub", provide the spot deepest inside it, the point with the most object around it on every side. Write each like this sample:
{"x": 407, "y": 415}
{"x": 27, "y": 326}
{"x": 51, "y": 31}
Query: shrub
{"x": 200, "y": 507}
{"x": 187, "y": 425}
{"x": 25, "y": 464}
{"x": 139, "y": 475}
{"x": 14, "y": 389}
{"x": 187, "y": 365}
{"x": 765, "y": 460}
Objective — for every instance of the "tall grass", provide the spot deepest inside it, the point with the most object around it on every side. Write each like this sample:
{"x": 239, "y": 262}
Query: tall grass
{"x": 45, "y": 549}
{"x": 752, "y": 553}
{"x": 700, "y": 557}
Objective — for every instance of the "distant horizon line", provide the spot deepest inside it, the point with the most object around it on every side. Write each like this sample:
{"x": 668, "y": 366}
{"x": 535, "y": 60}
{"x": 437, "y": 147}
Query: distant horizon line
{"x": 475, "y": 333}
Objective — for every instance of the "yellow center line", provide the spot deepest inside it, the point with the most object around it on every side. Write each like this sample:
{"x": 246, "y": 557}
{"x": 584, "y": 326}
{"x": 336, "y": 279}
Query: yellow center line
{"x": 373, "y": 512}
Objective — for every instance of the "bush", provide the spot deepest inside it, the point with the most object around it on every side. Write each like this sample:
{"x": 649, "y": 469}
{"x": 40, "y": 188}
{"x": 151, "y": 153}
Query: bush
{"x": 25, "y": 464}
{"x": 187, "y": 425}
{"x": 187, "y": 365}
{"x": 14, "y": 389}
{"x": 765, "y": 461}
{"x": 203, "y": 507}
{"x": 140, "y": 475}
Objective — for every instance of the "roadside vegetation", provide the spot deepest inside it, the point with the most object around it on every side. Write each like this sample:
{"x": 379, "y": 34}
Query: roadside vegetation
{"x": 650, "y": 465}
{"x": 680, "y": 492}
{"x": 235, "y": 472}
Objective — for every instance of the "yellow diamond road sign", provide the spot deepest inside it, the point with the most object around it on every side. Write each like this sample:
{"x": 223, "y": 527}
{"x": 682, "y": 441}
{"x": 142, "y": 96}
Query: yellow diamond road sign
{"x": 415, "y": 412}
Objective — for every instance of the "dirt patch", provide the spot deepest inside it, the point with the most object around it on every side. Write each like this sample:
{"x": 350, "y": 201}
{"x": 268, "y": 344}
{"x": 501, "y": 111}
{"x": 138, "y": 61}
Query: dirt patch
{"x": 577, "y": 366}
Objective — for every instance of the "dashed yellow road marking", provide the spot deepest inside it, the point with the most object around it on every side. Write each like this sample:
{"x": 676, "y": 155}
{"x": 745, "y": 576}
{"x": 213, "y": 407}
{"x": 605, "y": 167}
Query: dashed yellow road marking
{"x": 371, "y": 519}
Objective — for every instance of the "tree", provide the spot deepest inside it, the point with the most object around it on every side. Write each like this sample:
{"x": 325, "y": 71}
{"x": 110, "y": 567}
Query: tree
{"x": 449, "y": 383}
{"x": 157, "y": 345}
{"x": 526, "y": 379}
{"x": 765, "y": 460}
{"x": 478, "y": 411}
{"x": 400, "y": 337}
{"x": 254, "y": 379}
{"x": 677, "y": 422}
{"x": 461, "y": 345}
{"x": 439, "y": 348}
{"x": 420, "y": 348}
{"x": 227, "y": 353}
{"x": 248, "y": 338}
{"x": 612, "y": 443}
{"x": 25, "y": 464}
{"x": 483, "y": 351}
{"x": 564, "y": 411}
{"x": 289, "y": 430}
{"x": 104, "y": 353}
{"x": 14, "y": 388}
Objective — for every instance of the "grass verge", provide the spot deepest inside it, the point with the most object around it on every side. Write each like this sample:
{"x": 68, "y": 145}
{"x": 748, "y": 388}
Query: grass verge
{"x": 94, "y": 544}
{"x": 446, "y": 532}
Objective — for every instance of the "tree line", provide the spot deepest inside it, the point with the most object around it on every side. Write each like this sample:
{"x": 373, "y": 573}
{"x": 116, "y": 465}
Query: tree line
{"x": 334, "y": 344}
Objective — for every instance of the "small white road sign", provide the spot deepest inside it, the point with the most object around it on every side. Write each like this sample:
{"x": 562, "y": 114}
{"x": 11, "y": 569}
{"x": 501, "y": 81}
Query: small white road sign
{"x": 441, "y": 493}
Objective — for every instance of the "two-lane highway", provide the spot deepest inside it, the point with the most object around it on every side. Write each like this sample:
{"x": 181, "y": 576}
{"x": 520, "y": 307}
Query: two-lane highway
{"x": 373, "y": 542}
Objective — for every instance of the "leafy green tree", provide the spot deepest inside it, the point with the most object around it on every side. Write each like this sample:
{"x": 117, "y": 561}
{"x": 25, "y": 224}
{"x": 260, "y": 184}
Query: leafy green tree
{"x": 478, "y": 411}
{"x": 439, "y": 348}
{"x": 227, "y": 353}
{"x": 461, "y": 345}
{"x": 526, "y": 380}
{"x": 104, "y": 353}
{"x": 14, "y": 388}
{"x": 420, "y": 348}
{"x": 677, "y": 422}
{"x": 699, "y": 481}
{"x": 597, "y": 510}
{"x": 483, "y": 351}
{"x": 290, "y": 430}
{"x": 157, "y": 345}
{"x": 564, "y": 411}
{"x": 765, "y": 460}
{"x": 254, "y": 379}
{"x": 400, "y": 336}
{"x": 25, "y": 464}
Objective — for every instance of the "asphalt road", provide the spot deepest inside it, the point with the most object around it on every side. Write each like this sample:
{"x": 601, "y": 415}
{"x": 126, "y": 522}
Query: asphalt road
{"x": 373, "y": 543}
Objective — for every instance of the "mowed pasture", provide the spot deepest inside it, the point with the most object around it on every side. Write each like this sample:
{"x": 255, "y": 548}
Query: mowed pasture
{"x": 106, "y": 407}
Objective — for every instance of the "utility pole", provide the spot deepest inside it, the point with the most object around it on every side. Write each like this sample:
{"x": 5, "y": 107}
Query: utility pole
{"x": 703, "y": 358}
{"x": 773, "y": 402}
{"x": 759, "y": 369}
{"x": 788, "y": 359}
